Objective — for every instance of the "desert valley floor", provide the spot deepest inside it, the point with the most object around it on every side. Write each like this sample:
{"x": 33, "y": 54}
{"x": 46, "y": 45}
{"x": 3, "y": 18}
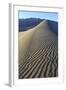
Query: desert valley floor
{"x": 38, "y": 52}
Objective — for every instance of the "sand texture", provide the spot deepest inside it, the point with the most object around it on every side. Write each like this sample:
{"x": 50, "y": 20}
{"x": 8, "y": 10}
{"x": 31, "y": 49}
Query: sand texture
{"x": 38, "y": 52}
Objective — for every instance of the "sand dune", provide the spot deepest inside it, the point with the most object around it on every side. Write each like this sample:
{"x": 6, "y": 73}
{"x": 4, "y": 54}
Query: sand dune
{"x": 38, "y": 52}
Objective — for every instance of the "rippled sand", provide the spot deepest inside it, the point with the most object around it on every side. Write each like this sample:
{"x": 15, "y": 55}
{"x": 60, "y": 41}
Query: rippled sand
{"x": 38, "y": 52}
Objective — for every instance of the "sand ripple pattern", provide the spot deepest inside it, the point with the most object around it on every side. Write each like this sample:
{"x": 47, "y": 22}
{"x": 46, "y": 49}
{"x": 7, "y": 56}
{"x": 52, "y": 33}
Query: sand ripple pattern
{"x": 38, "y": 52}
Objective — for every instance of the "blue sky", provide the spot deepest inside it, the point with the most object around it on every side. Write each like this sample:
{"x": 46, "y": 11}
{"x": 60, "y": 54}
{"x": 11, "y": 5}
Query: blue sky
{"x": 43, "y": 15}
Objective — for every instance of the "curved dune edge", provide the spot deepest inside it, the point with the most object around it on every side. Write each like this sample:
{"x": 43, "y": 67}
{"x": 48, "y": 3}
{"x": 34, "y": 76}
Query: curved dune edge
{"x": 38, "y": 52}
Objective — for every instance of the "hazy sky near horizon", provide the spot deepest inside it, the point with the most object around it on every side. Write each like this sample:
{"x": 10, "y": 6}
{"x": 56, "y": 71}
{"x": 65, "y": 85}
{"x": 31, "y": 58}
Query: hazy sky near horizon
{"x": 43, "y": 15}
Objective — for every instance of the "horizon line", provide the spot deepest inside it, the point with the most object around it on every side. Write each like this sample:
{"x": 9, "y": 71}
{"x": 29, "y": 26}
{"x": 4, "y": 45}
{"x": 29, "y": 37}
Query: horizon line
{"x": 38, "y": 18}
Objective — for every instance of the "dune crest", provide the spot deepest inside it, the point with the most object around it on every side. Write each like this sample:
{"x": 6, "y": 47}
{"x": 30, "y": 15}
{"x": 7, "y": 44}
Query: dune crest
{"x": 42, "y": 25}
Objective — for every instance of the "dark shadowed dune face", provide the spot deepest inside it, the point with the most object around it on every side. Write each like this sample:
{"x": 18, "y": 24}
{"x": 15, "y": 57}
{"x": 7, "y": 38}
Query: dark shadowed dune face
{"x": 38, "y": 51}
{"x": 53, "y": 26}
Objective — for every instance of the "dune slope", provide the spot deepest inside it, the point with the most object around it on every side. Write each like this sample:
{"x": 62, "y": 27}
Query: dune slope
{"x": 38, "y": 52}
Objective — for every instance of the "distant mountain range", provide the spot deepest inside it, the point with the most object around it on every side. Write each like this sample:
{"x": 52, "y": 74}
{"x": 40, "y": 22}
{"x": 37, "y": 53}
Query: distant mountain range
{"x": 26, "y": 24}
